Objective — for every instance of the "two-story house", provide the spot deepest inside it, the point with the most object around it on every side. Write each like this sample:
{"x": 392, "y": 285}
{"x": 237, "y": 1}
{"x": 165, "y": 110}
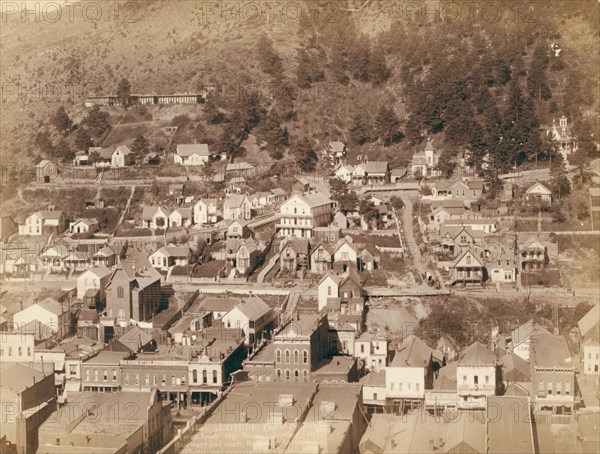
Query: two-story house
{"x": 206, "y": 212}
{"x": 91, "y": 285}
{"x": 237, "y": 206}
{"x": 373, "y": 350}
{"x": 476, "y": 376}
{"x": 552, "y": 378}
{"x": 301, "y": 213}
{"x": 122, "y": 156}
{"x": 192, "y": 154}
{"x": 43, "y": 222}
{"x": 253, "y": 316}
{"x": 50, "y": 312}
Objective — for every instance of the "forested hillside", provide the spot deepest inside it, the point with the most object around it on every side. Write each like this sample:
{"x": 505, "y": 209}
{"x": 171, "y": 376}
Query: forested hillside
{"x": 379, "y": 75}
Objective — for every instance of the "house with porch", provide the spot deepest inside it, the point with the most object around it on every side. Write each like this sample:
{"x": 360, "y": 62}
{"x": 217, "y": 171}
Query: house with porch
{"x": 533, "y": 255}
{"x": 468, "y": 268}
{"x": 43, "y": 223}
{"x": 424, "y": 163}
{"x": 104, "y": 257}
{"x": 154, "y": 217}
{"x": 321, "y": 258}
{"x": 539, "y": 191}
{"x": 181, "y": 217}
{"x": 476, "y": 374}
{"x": 294, "y": 254}
{"x": 168, "y": 256}
{"x": 192, "y": 154}
{"x": 91, "y": 285}
{"x": 253, "y": 316}
{"x": 237, "y": 206}
{"x": 45, "y": 171}
{"x": 301, "y": 213}
{"x": 84, "y": 225}
{"x": 345, "y": 256}
{"x": 336, "y": 152}
{"x": 206, "y": 211}
{"x": 238, "y": 229}
{"x": 242, "y": 254}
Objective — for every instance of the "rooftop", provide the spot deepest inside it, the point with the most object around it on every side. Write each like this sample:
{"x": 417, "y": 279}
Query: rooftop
{"x": 549, "y": 351}
{"x": 477, "y": 354}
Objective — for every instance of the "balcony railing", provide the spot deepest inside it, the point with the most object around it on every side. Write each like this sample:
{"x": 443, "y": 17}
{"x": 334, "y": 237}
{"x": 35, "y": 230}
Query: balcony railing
{"x": 470, "y": 389}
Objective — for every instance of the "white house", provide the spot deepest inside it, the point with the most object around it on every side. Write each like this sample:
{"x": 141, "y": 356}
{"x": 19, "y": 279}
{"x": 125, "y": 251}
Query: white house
{"x": 122, "y": 157}
{"x": 41, "y": 222}
{"x": 301, "y": 213}
{"x": 329, "y": 287}
{"x": 237, "y": 207}
{"x": 181, "y": 217}
{"x": 50, "y": 312}
{"x": 84, "y": 226}
{"x": 589, "y": 332}
{"x": 373, "y": 350}
{"x": 206, "y": 212}
{"x": 425, "y": 162}
{"x": 475, "y": 377}
{"x": 410, "y": 371}
{"x": 253, "y": 316}
{"x": 344, "y": 173}
{"x": 540, "y": 192}
{"x": 192, "y": 154}
{"x": 94, "y": 278}
{"x": 168, "y": 256}
{"x": 155, "y": 217}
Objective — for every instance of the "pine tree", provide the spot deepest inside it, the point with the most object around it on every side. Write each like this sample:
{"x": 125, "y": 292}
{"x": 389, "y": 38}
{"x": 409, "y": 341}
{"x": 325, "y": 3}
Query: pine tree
{"x": 269, "y": 60}
{"x": 83, "y": 141}
{"x": 537, "y": 81}
{"x": 558, "y": 177}
{"x": 124, "y": 92}
{"x": 387, "y": 126}
{"x": 360, "y": 130}
{"x": 61, "y": 121}
{"x": 140, "y": 147}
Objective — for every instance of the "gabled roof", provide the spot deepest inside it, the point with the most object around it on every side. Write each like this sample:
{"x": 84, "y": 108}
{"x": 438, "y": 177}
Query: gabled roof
{"x": 376, "y": 167}
{"x": 342, "y": 241}
{"x": 412, "y": 353}
{"x": 48, "y": 214}
{"x": 106, "y": 251}
{"x": 100, "y": 271}
{"x": 314, "y": 199}
{"x": 185, "y": 213}
{"x": 213, "y": 304}
{"x": 253, "y": 307}
{"x": 337, "y": 146}
{"x": 336, "y": 279}
{"x": 137, "y": 266}
{"x": 174, "y": 251}
{"x": 43, "y": 163}
{"x": 123, "y": 149}
{"x": 589, "y": 321}
{"x": 149, "y": 212}
{"x": 278, "y": 192}
{"x": 235, "y": 200}
{"x": 538, "y": 188}
{"x": 525, "y": 331}
{"x": 238, "y": 166}
{"x": 135, "y": 338}
{"x": 477, "y": 354}
{"x": 353, "y": 278}
{"x": 86, "y": 221}
{"x": 186, "y": 150}
{"x": 465, "y": 253}
{"x": 207, "y": 202}
{"x": 548, "y": 350}
{"x": 515, "y": 368}
{"x": 475, "y": 184}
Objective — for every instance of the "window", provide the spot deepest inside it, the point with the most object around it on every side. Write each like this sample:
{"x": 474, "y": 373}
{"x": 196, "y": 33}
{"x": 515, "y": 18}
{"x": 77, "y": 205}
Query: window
{"x": 329, "y": 290}
{"x": 464, "y": 379}
{"x": 28, "y": 351}
{"x": 487, "y": 379}
{"x": 204, "y": 376}
{"x": 391, "y": 386}
{"x": 345, "y": 256}
{"x": 476, "y": 379}
{"x": 164, "y": 380}
{"x": 126, "y": 379}
{"x": 147, "y": 380}
{"x": 417, "y": 387}
{"x": 305, "y": 357}
{"x": 9, "y": 351}
{"x": 183, "y": 379}
{"x": 550, "y": 388}
{"x": 304, "y": 375}
{"x": 172, "y": 379}
{"x": 362, "y": 348}
{"x": 568, "y": 388}
{"x": 195, "y": 376}
{"x": 120, "y": 292}
{"x": 540, "y": 387}
{"x": 95, "y": 374}
{"x": 287, "y": 375}
{"x": 374, "y": 396}
{"x": 155, "y": 381}
{"x": 137, "y": 379}
{"x": 114, "y": 374}
{"x": 287, "y": 356}
{"x": 559, "y": 388}
{"x": 214, "y": 374}
{"x": 87, "y": 375}
{"x": 399, "y": 387}
{"x": 105, "y": 375}
{"x": 296, "y": 375}
{"x": 278, "y": 356}
{"x": 20, "y": 351}
{"x": 296, "y": 357}
{"x": 279, "y": 373}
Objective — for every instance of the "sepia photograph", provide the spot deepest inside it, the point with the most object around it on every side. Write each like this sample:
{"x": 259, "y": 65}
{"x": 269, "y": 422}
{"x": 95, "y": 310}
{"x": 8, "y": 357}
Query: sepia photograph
{"x": 299, "y": 226}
